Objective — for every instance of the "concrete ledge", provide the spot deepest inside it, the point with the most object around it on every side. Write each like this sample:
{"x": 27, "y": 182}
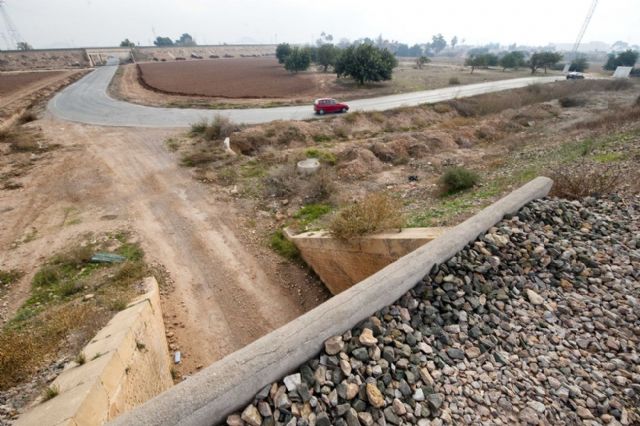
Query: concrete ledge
{"x": 127, "y": 362}
{"x": 341, "y": 264}
{"x": 229, "y": 384}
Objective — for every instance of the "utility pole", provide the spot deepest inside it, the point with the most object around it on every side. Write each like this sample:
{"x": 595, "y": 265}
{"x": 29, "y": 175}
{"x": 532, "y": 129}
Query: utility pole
{"x": 12, "y": 31}
{"x": 583, "y": 29}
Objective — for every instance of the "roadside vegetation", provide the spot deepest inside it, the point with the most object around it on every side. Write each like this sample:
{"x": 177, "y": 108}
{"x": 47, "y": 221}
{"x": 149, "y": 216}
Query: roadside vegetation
{"x": 438, "y": 163}
{"x": 71, "y": 299}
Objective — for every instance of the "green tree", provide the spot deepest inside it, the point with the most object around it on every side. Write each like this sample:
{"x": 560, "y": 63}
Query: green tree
{"x": 513, "y": 60}
{"x": 628, "y": 58}
{"x": 23, "y": 45}
{"x": 420, "y": 61}
{"x": 611, "y": 62}
{"x": 163, "y": 41}
{"x": 186, "y": 40}
{"x": 543, "y": 60}
{"x": 579, "y": 64}
{"x": 438, "y": 43}
{"x": 453, "y": 42}
{"x": 127, "y": 43}
{"x": 476, "y": 61}
{"x": 282, "y": 51}
{"x": 366, "y": 62}
{"x": 298, "y": 60}
{"x": 326, "y": 55}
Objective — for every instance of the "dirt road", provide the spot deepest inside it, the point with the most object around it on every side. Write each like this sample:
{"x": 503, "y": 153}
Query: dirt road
{"x": 226, "y": 292}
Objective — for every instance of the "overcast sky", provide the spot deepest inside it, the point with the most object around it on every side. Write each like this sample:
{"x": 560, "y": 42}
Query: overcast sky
{"x": 69, "y": 23}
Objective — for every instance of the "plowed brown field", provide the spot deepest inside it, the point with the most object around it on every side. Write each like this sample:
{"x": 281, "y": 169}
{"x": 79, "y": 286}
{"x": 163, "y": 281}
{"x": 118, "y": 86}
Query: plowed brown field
{"x": 13, "y": 82}
{"x": 227, "y": 78}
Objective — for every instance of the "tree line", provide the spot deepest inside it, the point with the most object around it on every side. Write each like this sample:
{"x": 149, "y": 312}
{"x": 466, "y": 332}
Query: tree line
{"x": 362, "y": 62}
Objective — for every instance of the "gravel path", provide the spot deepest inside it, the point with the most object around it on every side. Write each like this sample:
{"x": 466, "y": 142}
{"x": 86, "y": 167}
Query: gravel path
{"x": 537, "y": 322}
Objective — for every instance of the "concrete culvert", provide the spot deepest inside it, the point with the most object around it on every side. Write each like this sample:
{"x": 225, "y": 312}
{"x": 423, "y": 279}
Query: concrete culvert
{"x": 308, "y": 166}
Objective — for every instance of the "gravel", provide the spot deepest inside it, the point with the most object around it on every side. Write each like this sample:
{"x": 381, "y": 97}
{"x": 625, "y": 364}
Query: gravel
{"x": 536, "y": 322}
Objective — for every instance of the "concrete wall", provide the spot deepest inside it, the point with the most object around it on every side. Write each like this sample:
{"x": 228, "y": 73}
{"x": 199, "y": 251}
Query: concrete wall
{"x": 341, "y": 264}
{"x": 208, "y": 397}
{"x": 127, "y": 363}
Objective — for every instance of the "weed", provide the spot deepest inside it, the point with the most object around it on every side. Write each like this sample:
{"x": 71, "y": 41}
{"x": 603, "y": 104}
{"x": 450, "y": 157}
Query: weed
{"x": 175, "y": 375}
{"x": 227, "y": 176}
{"x": 442, "y": 107}
{"x": 376, "y": 212}
{"x": 96, "y": 356}
{"x": 611, "y": 120}
{"x": 453, "y": 81}
{"x": 9, "y": 277}
{"x": 319, "y": 187}
{"x": 618, "y": 84}
{"x": 322, "y": 155}
{"x": 352, "y": 118}
{"x": 281, "y": 245}
{"x": 253, "y": 169}
{"x": 456, "y": 179}
{"x": 609, "y": 157}
{"x": 118, "y": 305}
{"x": 319, "y": 138}
{"x": 50, "y": 392}
{"x": 172, "y": 144}
{"x": 310, "y": 213}
{"x": 81, "y": 358}
{"x": 377, "y": 117}
{"x": 281, "y": 181}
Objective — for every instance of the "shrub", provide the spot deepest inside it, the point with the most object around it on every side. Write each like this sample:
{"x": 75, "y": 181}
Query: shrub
{"x": 282, "y": 246}
{"x": 291, "y": 134}
{"x": 282, "y": 181}
{"x": 456, "y": 179}
{"x": 50, "y": 393}
{"x": 572, "y": 101}
{"x": 376, "y": 212}
{"x": 27, "y": 117}
{"x": 454, "y": 81}
{"x": 637, "y": 103}
{"x": 320, "y": 187}
{"x": 341, "y": 131}
{"x": 585, "y": 179}
{"x": 219, "y": 128}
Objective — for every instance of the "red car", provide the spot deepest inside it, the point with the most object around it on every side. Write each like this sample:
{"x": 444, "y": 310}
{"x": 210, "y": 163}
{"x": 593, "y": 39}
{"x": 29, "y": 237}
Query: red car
{"x": 323, "y": 105}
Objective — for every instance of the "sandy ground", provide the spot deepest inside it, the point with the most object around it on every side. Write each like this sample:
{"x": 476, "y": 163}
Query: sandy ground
{"x": 228, "y": 290}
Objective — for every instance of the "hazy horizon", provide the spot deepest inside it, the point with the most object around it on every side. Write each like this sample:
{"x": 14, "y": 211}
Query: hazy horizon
{"x": 80, "y": 23}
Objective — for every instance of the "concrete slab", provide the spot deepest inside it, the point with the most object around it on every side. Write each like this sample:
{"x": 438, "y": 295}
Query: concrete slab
{"x": 341, "y": 264}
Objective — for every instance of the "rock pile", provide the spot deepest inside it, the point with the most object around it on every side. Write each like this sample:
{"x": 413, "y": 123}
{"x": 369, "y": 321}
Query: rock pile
{"x": 536, "y": 322}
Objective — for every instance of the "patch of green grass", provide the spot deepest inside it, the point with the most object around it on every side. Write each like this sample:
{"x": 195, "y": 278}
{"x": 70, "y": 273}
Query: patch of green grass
{"x": 285, "y": 248}
{"x": 310, "y": 213}
{"x": 609, "y": 157}
{"x": 50, "y": 393}
{"x": 456, "y": 179}
{"x": 322, "y": 155}
{"x": 319, "y": 138}
{"x": 253, "y": 169}
{"x": 9, "y": 277}
{"x": 131, "y": 251}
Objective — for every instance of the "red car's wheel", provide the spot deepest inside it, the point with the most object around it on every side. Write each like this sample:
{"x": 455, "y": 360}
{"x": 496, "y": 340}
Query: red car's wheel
{"x": 344, "y": 110}
{"x": 321, "y": 112}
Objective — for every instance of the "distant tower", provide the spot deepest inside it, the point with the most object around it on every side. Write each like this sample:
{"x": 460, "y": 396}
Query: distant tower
{"x": 12, "y": 34}
{"x": 583, "y": 29}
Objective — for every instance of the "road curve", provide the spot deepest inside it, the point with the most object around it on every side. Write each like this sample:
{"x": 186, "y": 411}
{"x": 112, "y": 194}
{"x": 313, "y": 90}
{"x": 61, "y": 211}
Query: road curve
{"x": 87, "y": 101}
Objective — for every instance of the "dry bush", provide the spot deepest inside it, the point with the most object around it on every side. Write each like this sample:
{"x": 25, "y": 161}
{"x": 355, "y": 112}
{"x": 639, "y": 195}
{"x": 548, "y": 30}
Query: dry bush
{"x": 454, "y": 81}
{"x": 27, "y": 117}
{"x": 23, "y": 351}
{"x": 341, "y": 131}
{"x": 291, "y": 134}
{"x": 611, "y": 120}
{"x": 282, "y": 181}
{"x": 618, "y": 84}
{"x": 456, "y": 179}
{"x": 637, "y": 103}
{"x": 320, "y": 187}
{"x": 585, "y": 179}
{"x": 219, "y": 128}
{"x": 572, "y": 101}
{"x": 376, "y": 212}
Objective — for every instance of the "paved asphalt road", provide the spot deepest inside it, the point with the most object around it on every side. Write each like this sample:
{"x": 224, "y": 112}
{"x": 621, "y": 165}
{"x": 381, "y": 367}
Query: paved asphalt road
{"x": 86, "y": 101}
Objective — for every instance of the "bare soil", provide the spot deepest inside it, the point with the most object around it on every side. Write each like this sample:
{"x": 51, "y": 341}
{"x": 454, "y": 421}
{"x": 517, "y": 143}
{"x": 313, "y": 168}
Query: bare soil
{"x": 228, "y": 289}
{"x": 407, "y": 77}
{"x": 226, "y": 78}
{"x": 16, "y": 81}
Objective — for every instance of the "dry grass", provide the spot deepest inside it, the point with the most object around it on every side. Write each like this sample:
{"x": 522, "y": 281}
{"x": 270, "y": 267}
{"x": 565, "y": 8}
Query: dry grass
{"x": 376, "y": 212}
{"x": 497, "y": 102}
{"x": 611, "y": 120}
{"x": 219, "y": 128}
{"x": 584, "y": 179}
